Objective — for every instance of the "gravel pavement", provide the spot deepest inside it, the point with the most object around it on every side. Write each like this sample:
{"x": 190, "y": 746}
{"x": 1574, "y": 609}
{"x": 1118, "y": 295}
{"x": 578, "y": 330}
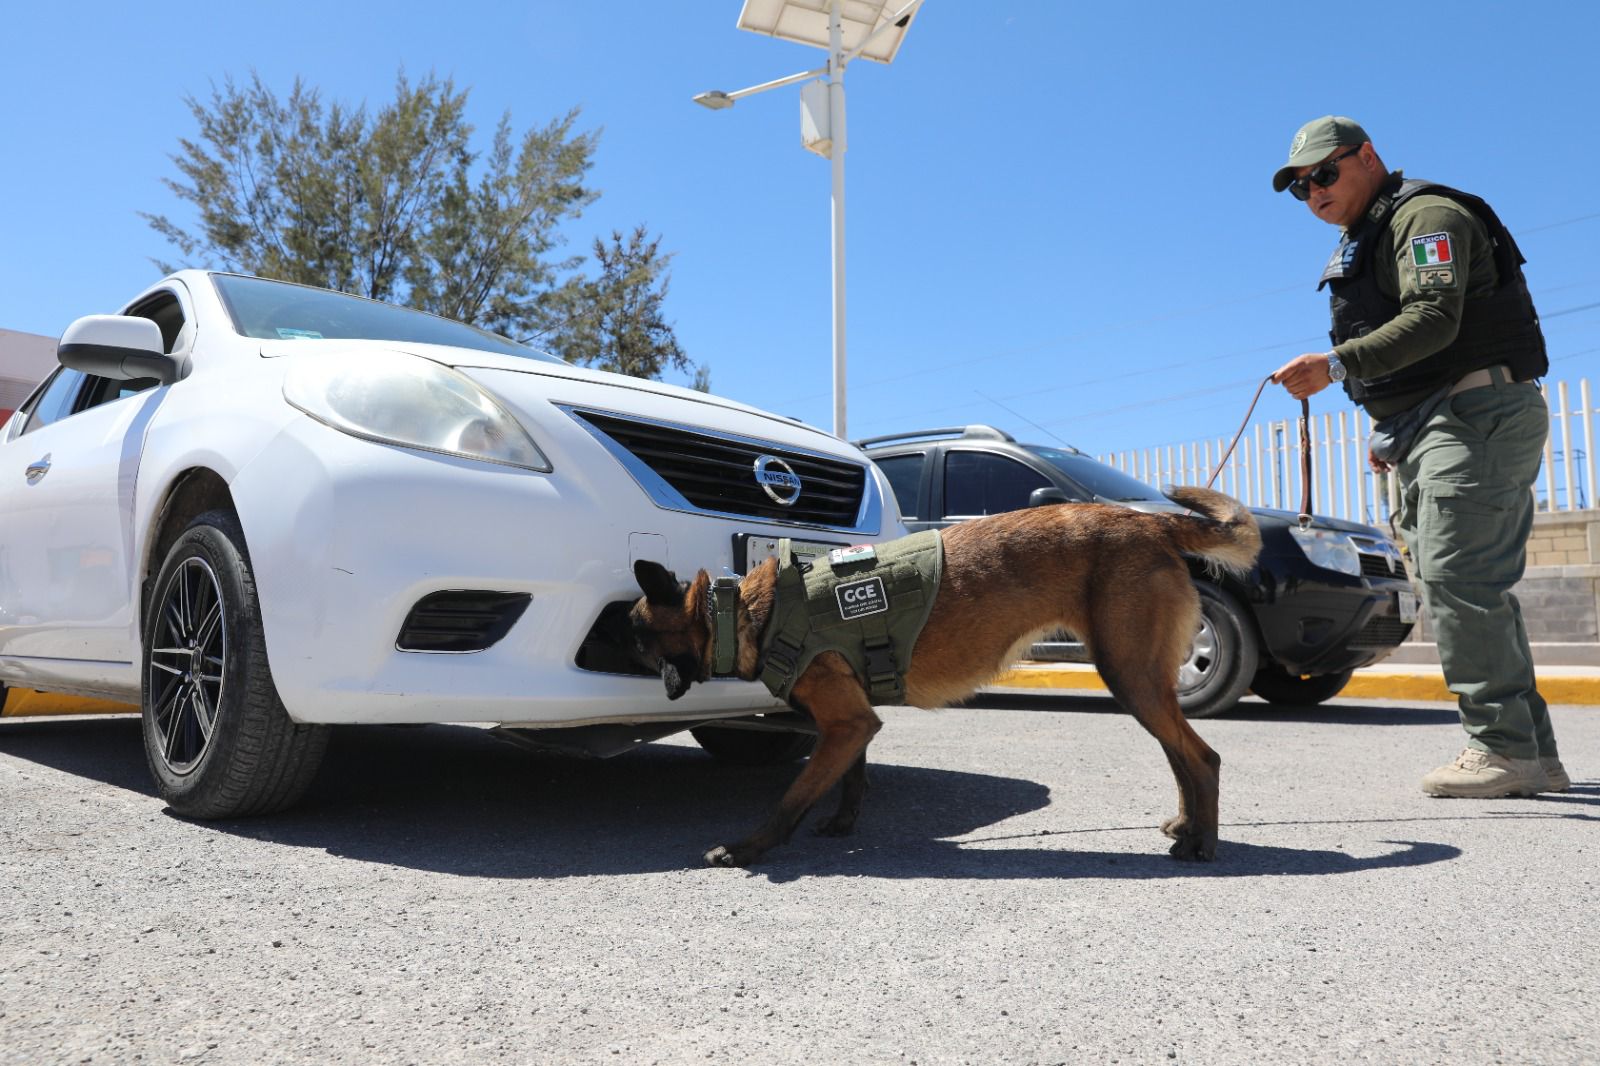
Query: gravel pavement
{"x": 444, "y": 897}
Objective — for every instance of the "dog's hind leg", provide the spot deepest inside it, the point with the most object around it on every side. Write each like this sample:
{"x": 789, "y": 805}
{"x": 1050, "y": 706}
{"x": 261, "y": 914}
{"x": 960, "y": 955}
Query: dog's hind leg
{"x": 846, "y": 723}
{"x": 1153, "y": 700}
{"x": 852, "y": 790}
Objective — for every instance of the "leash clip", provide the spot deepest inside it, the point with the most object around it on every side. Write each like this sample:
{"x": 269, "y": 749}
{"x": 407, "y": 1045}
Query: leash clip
{"x": 1305, "y": 521}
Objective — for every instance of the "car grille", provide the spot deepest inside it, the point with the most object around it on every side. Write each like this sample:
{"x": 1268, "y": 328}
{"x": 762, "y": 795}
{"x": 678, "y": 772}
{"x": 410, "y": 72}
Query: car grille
{"x": 460, "y": 621}
{"x": 1378, "y": 566}
{"x": 1383, "y": 631}
{"x": 717, "y": 474}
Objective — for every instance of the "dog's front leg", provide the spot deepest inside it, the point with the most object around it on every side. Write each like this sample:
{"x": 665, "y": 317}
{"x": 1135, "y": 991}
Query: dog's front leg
{"x": 846, "y": 724}
{"x": 852, "y": 790}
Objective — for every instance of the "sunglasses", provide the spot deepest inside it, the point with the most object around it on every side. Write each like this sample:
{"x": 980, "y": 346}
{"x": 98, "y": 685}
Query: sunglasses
{"x": 1324, "y": 174}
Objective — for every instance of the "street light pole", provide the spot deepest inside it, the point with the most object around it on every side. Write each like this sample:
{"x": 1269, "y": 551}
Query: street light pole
{"x": 878, "y": 33}
{"x": 836, "y": 158}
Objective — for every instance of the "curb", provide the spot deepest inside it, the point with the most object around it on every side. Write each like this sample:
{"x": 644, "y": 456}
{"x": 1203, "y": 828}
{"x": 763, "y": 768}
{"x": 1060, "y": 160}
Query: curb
{"x": 1031, "y": 677}
{"x": 1365, "y": 685}
{"x": 28, "y": 703}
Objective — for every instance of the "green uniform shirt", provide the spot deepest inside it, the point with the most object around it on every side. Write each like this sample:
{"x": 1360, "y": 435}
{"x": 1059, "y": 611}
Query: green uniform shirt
{"x": 1430, "y": 296}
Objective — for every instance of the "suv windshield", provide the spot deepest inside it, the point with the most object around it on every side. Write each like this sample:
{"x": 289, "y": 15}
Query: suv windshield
{"x": 277, "y": 310}
{"x": 1098, "y": 478}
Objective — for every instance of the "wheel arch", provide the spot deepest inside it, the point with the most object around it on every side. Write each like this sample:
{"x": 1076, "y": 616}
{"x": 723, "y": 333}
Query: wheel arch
{"x": 1244, "y": 592}
{"x": 192, "y": 493}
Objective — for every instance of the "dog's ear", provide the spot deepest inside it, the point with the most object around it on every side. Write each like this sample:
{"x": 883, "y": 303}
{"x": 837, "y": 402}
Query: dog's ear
{"x": 660, "y": 585}
{"x": 695, "y": 596}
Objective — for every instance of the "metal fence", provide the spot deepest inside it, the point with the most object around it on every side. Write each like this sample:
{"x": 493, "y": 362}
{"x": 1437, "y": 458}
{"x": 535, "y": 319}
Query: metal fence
{"x": 1264, "y": 470}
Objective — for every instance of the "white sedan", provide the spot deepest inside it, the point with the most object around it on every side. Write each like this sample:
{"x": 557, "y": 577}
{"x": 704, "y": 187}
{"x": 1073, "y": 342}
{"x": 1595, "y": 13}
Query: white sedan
{"x": 259, "y": 509}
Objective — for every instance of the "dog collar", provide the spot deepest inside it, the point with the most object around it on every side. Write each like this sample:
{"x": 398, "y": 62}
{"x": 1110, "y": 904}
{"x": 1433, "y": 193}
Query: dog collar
{"x": 724, "y": 625}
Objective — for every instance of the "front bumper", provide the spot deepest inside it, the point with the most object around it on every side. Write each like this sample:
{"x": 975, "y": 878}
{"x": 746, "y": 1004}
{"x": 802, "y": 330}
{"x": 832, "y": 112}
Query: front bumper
{"x": 369, "y": 529}
{"x": 1324, "y": 629}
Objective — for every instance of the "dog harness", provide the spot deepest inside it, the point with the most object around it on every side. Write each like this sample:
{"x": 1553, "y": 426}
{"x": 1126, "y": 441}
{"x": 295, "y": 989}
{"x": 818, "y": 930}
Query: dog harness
{"x": 868, "y": 603}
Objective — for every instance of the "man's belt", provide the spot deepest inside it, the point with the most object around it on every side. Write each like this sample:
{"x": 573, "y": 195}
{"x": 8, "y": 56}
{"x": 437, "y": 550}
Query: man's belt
{"x": 1498, "y": 374}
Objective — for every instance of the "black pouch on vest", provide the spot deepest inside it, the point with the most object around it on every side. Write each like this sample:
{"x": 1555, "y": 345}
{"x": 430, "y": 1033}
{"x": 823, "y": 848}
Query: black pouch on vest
{"x": 1393, "y": 436}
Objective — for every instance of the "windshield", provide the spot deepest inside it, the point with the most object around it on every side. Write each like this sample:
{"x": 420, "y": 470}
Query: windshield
{"x": 1098, "y": 478}
{"x": 277, "y": 310}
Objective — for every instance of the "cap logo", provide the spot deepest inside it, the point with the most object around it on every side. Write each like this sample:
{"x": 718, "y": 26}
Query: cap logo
{"x": 1299, "y": 142}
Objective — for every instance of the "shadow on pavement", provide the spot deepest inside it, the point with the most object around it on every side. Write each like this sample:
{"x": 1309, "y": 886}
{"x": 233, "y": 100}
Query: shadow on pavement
{"x": 454, "y": 800}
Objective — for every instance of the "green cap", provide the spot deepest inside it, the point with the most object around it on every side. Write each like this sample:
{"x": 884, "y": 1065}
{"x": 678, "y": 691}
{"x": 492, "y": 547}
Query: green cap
{"x": 1315, "y": 141}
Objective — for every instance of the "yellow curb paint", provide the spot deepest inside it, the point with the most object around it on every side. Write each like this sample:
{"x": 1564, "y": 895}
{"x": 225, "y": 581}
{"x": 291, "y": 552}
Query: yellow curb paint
{"x": 1049, "y": 677}
{"x": 1565, "y": 690}
{"x": 27, "y": 703}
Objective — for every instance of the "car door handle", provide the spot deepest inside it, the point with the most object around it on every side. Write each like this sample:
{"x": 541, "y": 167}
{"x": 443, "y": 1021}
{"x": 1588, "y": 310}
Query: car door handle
{"x": 38, "y": 469}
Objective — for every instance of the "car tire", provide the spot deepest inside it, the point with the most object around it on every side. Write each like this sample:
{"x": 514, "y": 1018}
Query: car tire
{"x": 753, "y": 747}
{"x": 1223, "y": 658}
{"x": 1275, "y": 685}
{"x": 216, "y": 736}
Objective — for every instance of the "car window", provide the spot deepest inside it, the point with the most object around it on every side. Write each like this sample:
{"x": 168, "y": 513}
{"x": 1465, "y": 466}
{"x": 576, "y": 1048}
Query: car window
{"x": 276, "y": 310}
{"x": 108, "y": 390}
{"x": 980, "y": 483}
{"x": 905, "y": 478}
{"x": 1107, "y": 483}
{"x": 165, "y": 310}
{"x": 57, "y": 401}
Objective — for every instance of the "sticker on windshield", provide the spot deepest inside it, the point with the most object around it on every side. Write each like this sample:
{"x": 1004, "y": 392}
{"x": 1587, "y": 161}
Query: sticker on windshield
{"x": 298, "y": 334}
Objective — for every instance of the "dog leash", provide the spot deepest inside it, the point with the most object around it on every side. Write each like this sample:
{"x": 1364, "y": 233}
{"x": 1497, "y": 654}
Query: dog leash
{"x": 1305, "y": 450}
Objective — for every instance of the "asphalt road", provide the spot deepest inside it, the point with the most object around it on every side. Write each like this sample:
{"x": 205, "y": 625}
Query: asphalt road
{"x": 444, "y": 897}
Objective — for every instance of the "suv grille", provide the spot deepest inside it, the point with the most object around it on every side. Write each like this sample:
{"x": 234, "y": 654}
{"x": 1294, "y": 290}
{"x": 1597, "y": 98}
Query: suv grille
{"x": 1384, "y": 631}
{"x": 718, "y": 473}
{"x": 1378, "y": 566}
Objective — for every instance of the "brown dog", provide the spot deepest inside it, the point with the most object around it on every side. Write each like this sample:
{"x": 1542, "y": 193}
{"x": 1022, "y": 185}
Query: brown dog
{"x": 1114, "y": 577}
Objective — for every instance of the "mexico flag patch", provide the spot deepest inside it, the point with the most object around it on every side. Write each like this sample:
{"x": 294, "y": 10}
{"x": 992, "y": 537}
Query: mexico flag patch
{"x": 1431, "y": 250}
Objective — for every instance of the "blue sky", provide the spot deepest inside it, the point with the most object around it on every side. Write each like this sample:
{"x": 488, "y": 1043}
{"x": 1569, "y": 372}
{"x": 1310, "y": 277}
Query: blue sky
{"x": 1059, "y": 214}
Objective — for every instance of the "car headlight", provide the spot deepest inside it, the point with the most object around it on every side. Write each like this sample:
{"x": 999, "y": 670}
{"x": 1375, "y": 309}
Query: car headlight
{"x": 400, "y": 399}
{"x": 1328, "y": 549}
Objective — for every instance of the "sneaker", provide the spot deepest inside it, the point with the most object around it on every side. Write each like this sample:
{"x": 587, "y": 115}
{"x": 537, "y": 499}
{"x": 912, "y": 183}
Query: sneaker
{"x": 1484, "y": 775}
{"x": 1555, "y": 775}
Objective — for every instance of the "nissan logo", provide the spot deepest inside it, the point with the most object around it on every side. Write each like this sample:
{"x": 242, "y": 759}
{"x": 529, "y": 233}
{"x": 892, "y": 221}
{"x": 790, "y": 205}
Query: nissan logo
{"x": 778, "y": 479}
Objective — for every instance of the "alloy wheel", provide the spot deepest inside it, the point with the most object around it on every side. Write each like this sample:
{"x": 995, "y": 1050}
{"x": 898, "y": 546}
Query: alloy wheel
{"x": 188, "y": 657}
{"x": 1203, "y": 657}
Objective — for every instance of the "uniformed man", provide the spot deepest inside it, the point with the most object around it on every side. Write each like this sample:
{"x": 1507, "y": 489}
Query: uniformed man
{"x": 1436, "y": 336}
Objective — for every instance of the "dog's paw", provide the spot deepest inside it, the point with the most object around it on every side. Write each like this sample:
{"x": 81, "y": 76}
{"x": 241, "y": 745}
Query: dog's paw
{"x": 726, "y": 855}
{"x": 1176, "y": 827}
{"x": 1194, "y": 847}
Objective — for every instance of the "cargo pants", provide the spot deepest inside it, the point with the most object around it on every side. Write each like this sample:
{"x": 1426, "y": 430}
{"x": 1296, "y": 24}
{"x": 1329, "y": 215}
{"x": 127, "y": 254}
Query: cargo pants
{"x": 1466, "y": 511}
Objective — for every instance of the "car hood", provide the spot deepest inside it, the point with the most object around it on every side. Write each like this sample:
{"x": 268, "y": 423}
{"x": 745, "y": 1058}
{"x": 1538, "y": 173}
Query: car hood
{"x": 655, "y": 396}
{"x": 1271, "y": 518}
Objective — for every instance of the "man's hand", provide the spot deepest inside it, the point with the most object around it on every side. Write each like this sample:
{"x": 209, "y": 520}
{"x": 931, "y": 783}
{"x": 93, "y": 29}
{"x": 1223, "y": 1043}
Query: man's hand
{"x": 1304, "y": 375}
{"x": 1378, "y": 465}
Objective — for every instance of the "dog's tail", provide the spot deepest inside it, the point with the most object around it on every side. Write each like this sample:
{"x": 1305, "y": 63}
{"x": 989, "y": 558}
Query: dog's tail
{"x": 1226, "y": 538}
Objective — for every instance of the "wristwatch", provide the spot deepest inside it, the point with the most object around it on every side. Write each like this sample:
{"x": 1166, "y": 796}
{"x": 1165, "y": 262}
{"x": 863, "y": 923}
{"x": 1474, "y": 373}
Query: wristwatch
{"x": 1336, "y": 369}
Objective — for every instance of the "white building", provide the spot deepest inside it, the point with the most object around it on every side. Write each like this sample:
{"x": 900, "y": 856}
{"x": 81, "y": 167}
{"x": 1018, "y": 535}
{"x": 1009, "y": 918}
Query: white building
{"x": 25, "y": 359}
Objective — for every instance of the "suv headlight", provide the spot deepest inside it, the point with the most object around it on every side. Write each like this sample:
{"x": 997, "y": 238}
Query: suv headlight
{"x": 1328, "y": 549}
{"x": 400, "y": 399}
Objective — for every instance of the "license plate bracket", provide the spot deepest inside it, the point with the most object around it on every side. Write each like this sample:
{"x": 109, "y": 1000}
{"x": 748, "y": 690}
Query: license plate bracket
{"x": 1406, "y": 604}
{"x": 750, "y": 550}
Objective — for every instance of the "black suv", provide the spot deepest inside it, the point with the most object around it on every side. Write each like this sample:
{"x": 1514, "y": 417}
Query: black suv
{"x": 1319, "y": 603}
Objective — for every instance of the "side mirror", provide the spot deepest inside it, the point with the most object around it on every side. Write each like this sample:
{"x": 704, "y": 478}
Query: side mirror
{"x": 116, "y": 346}
{"x": 1046, "y": 496}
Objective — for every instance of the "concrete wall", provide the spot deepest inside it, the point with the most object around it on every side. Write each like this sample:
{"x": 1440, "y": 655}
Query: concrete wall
{"x": 25, "y": 359}
{"x": 1560, "y": 592}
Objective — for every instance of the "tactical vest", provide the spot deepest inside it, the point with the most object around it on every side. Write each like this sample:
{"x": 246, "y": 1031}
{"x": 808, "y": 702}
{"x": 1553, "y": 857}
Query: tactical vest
{"x": 1502, "y": 327}
{"x": 869, "y": 604}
